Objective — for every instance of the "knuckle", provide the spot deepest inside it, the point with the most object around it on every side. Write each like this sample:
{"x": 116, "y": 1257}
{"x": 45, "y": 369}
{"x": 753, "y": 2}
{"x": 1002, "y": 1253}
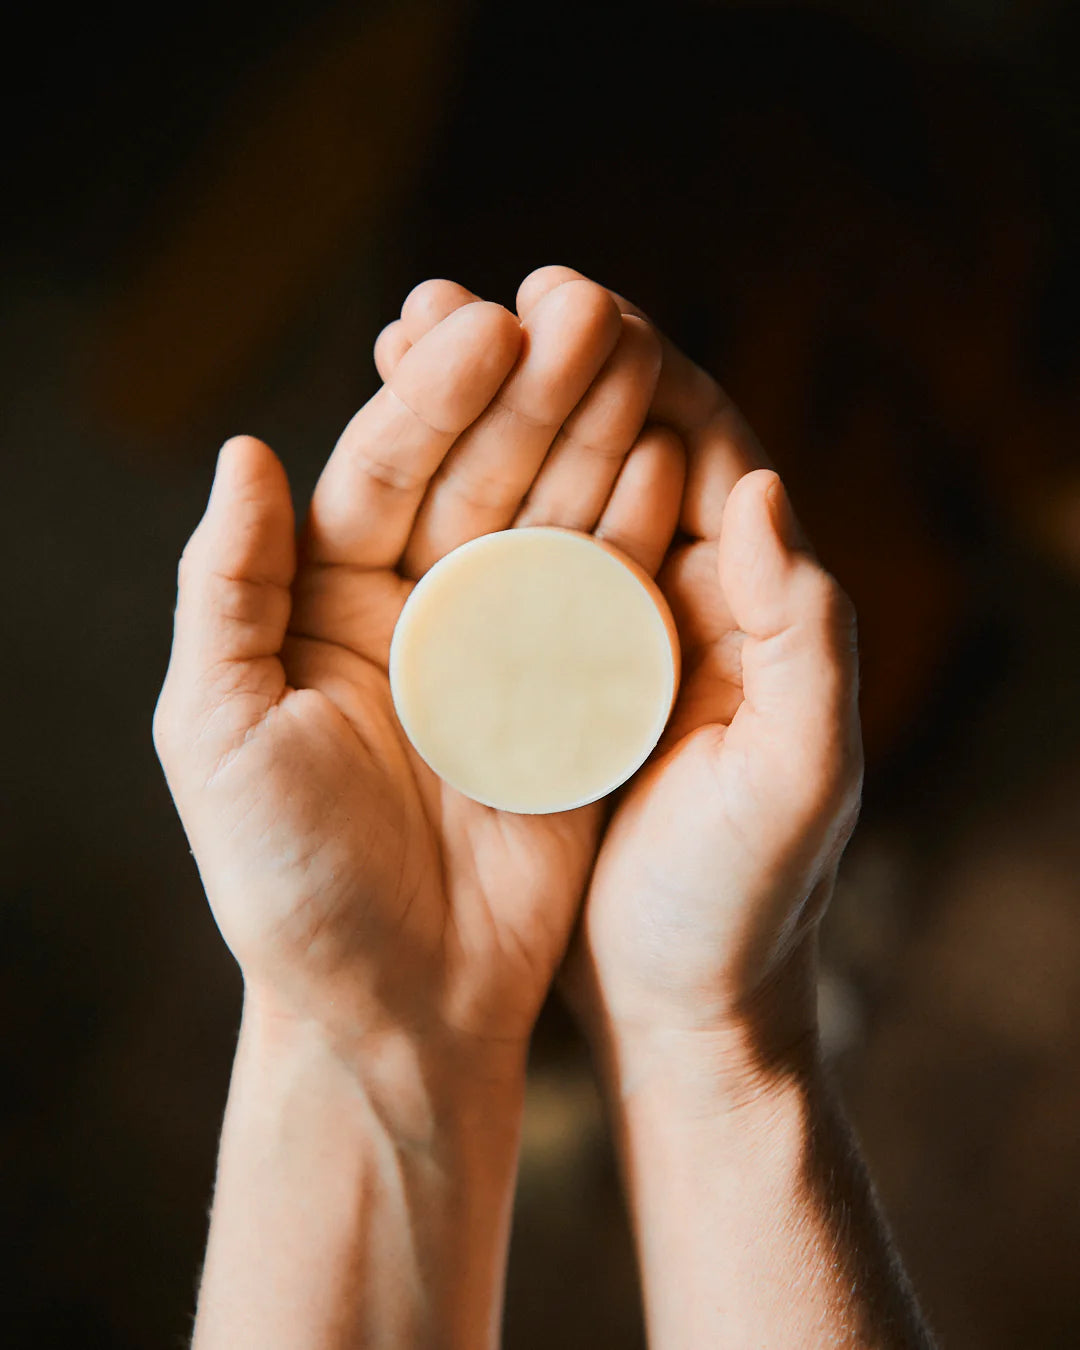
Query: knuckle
{"x": 217, "y": 685}
{"x": 188, "y": 566}
{"x": 483, "y": 491}
{"x": 828, "y": 606}
{"x": 161, "y": 728}
{"x": 236, "y": 599}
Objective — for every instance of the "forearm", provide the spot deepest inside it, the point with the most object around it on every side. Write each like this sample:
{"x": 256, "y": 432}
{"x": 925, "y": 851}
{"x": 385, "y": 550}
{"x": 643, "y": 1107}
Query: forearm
{"x": 358, "y": 1201}
{"x": 755, "y": 1220}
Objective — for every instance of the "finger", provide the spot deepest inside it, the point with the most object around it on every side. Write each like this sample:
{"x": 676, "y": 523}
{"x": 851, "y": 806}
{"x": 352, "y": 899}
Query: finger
{"x": 799, "y": 664}
{"x": 425, "y": 306}
{"x": 720, "y": 444}
{"x": 683, "y": 391}
{"x": 643, "y": 510}
{"x": 576, "y": 477}
{"x": 234, "y": 599}
{"x": 390, "y": 346}
{"x": 540, "y": 283}
{"x": 430, "y": 303}
{"x": 480, "y": 485}
{"x": 366, "y": 500}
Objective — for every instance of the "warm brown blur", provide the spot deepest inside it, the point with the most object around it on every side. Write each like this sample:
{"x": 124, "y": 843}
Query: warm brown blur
{"x": 870, "y": 231}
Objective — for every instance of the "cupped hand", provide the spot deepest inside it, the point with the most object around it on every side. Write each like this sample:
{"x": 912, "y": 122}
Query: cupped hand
{"x": 719, "y": 857}
{"x": 355, "y": 888}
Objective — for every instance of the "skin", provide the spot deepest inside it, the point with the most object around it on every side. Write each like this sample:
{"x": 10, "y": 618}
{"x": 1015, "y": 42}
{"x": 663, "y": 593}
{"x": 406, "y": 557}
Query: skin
{"x": 396, "y": 939}
{"x": 298, "y": 784}
{"x": 737, "y": 823}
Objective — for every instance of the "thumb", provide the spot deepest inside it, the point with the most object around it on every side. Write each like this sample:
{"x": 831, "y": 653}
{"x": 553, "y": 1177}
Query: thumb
{"x": 233, "y": 600}
{"x": 799, "y": 716}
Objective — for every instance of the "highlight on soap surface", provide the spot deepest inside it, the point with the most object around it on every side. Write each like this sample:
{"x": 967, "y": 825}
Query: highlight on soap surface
{"x": 534, "y": 669}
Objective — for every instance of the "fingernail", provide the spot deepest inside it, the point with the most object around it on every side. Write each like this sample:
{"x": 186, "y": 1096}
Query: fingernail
{"x": 783, "y": 517}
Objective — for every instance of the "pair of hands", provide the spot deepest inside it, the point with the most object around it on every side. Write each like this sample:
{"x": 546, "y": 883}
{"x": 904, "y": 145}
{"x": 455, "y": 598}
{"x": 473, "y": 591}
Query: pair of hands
{"x": 359, "y": 893}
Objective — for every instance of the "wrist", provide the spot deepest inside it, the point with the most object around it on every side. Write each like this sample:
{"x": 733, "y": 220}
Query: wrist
{"x": 425, "y": 1091}
{"x": 742, "y": 1176}
{"x": 711, "y": 1061}
{"x": 366, "y": 1183}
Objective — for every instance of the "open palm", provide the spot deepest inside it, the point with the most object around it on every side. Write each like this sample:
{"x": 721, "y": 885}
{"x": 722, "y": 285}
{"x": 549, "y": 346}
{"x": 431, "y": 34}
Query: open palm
{"x": 340, "y": 869}
{"x": 720, "y": 854}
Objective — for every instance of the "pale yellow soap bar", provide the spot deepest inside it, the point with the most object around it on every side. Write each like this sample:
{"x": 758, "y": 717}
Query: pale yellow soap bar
{"x": 534, "y": 669}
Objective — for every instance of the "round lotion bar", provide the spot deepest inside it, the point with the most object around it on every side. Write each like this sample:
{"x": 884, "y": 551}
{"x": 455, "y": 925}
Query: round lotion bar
{"x": 534, "y": 669}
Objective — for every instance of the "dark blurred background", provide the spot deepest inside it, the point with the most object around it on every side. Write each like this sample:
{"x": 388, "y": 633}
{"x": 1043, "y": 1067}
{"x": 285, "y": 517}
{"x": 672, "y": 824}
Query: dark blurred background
{"x": 864, "y": 219}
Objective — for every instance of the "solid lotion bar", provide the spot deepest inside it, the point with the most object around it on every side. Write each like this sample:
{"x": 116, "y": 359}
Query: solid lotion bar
{"x": 534, "y": 669}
